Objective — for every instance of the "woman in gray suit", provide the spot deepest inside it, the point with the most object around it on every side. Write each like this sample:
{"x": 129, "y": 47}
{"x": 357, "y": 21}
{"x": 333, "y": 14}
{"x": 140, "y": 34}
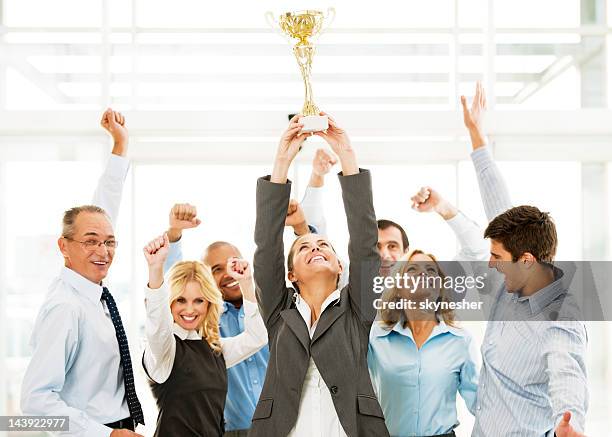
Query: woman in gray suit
{"x": 317, "y": 383}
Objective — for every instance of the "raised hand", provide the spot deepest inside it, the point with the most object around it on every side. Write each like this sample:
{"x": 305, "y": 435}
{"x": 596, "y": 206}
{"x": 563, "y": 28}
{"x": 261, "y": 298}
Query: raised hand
{"x": 564, "y": 429}
{"x": 427, "y": 199}
{"x": 289, "y": 145}
{"x": 239, "y": 269}
{"x": 473, "y": 118}
{"x": 156, "y": 253}
{"x": 336, "y": 137}
{"x": 182, "y": 216}
{"x": 322, "y": 163}
{"x": 114, "y": 123}
{"x": 296, "y": 218}
{"x": 340, "y": 143}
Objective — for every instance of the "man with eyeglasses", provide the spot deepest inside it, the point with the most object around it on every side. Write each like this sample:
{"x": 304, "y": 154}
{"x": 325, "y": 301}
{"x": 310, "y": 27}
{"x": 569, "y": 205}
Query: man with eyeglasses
{"x": 81, "y": 366}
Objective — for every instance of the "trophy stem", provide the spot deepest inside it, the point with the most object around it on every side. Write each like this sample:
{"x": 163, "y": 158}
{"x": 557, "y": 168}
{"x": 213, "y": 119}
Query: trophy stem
{"x": 304, "y": 55}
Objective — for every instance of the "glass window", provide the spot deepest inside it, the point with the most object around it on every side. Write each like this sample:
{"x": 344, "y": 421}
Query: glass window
{"x": 548, "y": 185}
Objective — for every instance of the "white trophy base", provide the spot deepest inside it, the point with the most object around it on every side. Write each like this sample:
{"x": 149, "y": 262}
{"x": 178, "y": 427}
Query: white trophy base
{"x": 314, "y": 123}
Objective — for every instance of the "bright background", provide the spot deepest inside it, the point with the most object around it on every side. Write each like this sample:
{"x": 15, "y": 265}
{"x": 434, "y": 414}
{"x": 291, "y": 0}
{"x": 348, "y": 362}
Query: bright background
{"x": 206, "y": 88}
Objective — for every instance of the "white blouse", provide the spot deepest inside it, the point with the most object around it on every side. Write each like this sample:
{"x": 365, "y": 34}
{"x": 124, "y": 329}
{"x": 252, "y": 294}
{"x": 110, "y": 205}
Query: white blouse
{"x": 160, "y": 329}
{"x": 317, "y": 415}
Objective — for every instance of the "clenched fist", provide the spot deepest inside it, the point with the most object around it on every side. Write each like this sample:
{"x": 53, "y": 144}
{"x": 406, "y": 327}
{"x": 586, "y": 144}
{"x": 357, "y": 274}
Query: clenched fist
{"x": 114, "y": 123}
{"x": 182, "y": 216}
{"x": 156, "y": 253}
{"x": 427, "y": 199}
{"x": 238, "y": 269}
{"x": 323, "y": 162}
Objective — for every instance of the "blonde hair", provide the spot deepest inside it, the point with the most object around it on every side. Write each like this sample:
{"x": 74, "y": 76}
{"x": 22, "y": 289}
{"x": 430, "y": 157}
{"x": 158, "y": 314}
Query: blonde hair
{"x": 389, "y": 317}
{"x": 187, "y": 271}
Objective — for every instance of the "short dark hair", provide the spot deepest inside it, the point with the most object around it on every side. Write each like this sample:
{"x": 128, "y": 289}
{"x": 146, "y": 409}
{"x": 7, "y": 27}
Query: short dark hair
{"x": 384, "y": 224}
{"x": 525, "y": 229}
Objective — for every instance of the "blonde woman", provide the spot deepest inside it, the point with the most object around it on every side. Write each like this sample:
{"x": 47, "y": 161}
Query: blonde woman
{"x": 185, "y": 358}
{"x": 419, "y": 360}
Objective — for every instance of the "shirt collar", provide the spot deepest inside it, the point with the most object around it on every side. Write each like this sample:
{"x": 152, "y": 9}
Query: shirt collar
{"x": 82, "y": 285}
{"x": 228, "y": 306}
{"x": 304, "y": 309}
{"x": 541, "y": 299}
{"x": 380, "y": 330}
{"x": 184, "y": 334}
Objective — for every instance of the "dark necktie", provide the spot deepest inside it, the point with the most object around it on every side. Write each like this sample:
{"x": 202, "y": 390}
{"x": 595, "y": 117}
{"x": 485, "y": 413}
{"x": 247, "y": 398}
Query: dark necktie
{"x": 126, "y": 361}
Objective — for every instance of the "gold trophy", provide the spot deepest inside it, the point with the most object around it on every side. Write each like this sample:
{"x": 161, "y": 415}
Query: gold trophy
{"x": 303, "y": 25}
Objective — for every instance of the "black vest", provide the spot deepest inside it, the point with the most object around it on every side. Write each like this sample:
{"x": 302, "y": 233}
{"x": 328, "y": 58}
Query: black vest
{"x": 192, "y": 399}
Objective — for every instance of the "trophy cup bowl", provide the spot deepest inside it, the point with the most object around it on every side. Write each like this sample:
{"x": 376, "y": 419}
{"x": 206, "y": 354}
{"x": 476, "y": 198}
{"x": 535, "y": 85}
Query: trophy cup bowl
{"x": 302, "y": 25}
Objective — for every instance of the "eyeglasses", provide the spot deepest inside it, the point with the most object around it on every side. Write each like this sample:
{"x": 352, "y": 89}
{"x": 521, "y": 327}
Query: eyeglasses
{"x": 94, "y": 244}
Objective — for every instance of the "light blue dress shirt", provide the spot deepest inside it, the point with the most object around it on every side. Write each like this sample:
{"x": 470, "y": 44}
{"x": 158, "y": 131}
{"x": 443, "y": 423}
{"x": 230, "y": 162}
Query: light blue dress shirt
{"x": 245, "y": 379}
{"x": 417, "y": 388}
{"x": 75, "y": 369}
{"x": 533, "y": 368}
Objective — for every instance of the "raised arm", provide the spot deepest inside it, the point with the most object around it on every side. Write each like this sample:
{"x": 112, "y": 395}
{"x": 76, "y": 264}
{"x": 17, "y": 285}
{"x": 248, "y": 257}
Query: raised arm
{"x": 109, "y": 190}
{"x": 312, "y": 203}
{"x": 493, "y": 189}
{"x": 254, "y": 337}
{"x": 356, "y": 187}
{"x": 272, "y": 200}
{"x": 472, "y": 247}
{"x": 182, "y": 216}
{"x": 160, "y": 349}
{"x": 296, "y": 218}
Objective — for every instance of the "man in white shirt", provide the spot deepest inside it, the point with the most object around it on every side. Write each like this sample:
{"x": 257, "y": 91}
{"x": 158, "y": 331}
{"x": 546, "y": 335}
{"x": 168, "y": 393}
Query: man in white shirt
{"x": 80, "y": 366}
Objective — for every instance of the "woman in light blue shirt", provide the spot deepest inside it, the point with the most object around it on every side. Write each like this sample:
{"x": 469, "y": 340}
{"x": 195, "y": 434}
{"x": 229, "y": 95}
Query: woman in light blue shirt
{"x": 419, "y": 360}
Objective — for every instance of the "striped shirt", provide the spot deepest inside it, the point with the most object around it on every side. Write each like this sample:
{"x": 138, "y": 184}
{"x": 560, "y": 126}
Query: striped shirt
{"x": 534, "y": 369}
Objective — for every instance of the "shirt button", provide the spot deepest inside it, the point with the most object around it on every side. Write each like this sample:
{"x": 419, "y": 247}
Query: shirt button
{"x": 333, "y": 389}
{"x": 255, "y": 381}
{"x": 250, "y": 359}
{"x": 478, "y": 407}
{"x": 490, "y": 341}
{"x": 242, "y": 316}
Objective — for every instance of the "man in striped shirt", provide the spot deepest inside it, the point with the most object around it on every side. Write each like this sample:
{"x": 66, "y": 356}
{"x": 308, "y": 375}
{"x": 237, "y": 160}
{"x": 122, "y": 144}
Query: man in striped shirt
{"x": 533, "y": 378}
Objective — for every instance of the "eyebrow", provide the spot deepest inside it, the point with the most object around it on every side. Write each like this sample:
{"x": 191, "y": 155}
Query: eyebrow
{"x": 95, "y": 234}
{"x": 381, "y": 242}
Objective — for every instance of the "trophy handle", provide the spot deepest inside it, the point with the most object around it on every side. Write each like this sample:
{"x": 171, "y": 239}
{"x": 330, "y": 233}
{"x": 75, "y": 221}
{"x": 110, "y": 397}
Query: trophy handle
{"x": 275, "y": 26}
{"x": 330, "y": 17}
{"x": 271, "y": 21}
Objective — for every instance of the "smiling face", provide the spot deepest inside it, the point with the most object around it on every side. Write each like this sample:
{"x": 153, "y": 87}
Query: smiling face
{"x": 390, "y": 247}
{"x": 424, "y": 266}
{"x": 91, "y": 263}
{"x": 190, "y": 308}
{"x": 312, "y": 255}
{"x": 216, "y": 258}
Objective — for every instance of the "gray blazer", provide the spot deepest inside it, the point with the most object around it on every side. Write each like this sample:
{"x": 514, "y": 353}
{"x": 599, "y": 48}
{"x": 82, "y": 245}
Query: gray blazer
{"x": 339, "y": 345}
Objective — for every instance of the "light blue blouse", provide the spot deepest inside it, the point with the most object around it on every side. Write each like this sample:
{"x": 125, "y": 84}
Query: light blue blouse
{"x": 417, "y": 388}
